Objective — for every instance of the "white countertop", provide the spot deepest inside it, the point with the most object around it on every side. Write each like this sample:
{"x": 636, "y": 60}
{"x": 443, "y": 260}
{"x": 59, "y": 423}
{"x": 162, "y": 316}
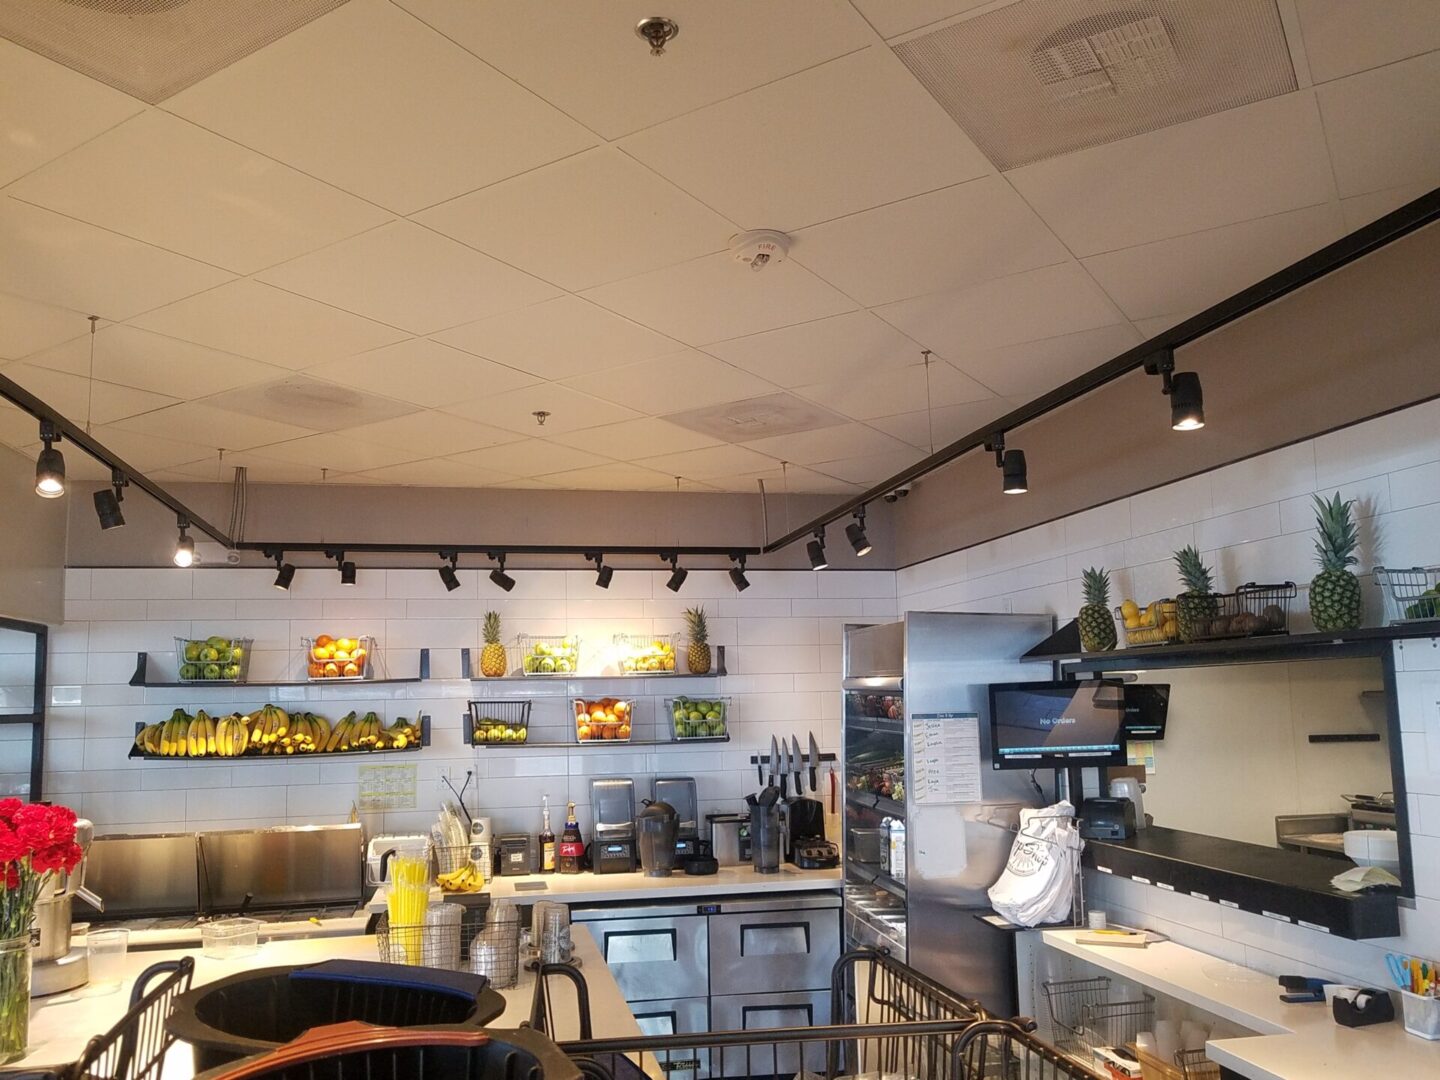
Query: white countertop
{"x": 599, "y": 888}
{"x": 178, "y": 937}
{"x": 1295, "y": 1042}
{"x": 61, "y": 1025}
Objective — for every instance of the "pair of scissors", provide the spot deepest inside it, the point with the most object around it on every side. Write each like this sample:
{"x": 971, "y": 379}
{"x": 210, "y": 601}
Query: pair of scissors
{"x": 1399, "y": 970}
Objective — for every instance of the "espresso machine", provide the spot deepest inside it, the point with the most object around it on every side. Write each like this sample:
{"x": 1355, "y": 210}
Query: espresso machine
{"x": 613, "y": 851}
{"x": 58, "y": 964}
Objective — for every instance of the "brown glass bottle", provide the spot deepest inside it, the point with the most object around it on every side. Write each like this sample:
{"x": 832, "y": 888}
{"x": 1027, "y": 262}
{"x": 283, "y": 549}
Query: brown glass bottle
{"x": 547, "y": 840}
{"x": 572, "y": 846}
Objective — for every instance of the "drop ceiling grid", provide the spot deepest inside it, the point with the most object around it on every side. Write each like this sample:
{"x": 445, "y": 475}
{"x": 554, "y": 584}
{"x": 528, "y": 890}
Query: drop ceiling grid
{"x": 884, "y": 426}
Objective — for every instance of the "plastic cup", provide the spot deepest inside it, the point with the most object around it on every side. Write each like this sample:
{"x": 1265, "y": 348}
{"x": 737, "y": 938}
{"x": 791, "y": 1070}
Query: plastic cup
{"x": 105, "y": 953}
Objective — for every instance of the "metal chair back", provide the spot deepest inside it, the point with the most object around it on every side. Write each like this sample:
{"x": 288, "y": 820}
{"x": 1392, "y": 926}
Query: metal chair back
{"x": 134, "y": 1049}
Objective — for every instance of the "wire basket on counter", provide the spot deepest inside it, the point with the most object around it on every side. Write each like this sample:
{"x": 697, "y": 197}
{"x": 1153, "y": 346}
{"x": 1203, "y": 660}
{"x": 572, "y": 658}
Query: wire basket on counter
{"x": 434, "y": 943}
{"x": 1084, "y": 1017}
{"x": 212, "y": 660}
{"x": 1250, "y": 611}
{"x": 494, "y": 951}
{"x": 1410, "y": 595}
{"x": 498, "y": 723}
{"x": 548, "y": 655}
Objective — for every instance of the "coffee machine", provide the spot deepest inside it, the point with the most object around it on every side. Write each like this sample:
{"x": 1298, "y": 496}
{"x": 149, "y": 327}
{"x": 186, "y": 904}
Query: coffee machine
{"x": 57, "y": 964}
{"x": 613, "y": 803}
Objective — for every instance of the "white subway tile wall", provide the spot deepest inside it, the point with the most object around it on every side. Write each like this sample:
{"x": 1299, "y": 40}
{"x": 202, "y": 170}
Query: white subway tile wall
{"x": 1253, "y": 521}
{"x": 782, "y": 641}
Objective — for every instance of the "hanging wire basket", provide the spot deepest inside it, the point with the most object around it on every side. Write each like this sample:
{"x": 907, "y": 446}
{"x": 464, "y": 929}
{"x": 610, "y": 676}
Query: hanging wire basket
{"x": 1410, "y": 595}
{"x": 499, "y": 723}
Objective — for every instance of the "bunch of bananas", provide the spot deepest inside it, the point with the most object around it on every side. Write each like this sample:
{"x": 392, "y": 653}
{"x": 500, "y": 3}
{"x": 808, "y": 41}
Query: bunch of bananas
{"x": 271, "y": 731}
{"x": 466, "y": 879}
{"x": 268, "y": 726}
{"x": 355, "y": 732}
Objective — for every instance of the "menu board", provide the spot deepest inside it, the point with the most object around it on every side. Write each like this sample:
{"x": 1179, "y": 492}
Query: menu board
{"x": 945, "y": 758}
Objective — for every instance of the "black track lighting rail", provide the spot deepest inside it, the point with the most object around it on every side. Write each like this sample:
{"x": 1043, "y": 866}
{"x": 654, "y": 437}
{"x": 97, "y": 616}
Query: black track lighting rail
{"x": 1363, "y": 241}
{"x": 272, "y": 548}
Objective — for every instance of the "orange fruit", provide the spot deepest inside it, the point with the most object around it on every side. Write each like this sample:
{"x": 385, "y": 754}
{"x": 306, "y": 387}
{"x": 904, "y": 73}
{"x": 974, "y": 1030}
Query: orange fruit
{"x": 607, "y": 731}
{"x": 583, "y": 732}
{"x": 316, "y": 670}
{"x": 331, "y": 670}
{"x": 323, "y": 639}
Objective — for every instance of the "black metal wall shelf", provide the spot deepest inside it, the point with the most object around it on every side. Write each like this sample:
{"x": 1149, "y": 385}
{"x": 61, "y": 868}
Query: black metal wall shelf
{"x": 137, "y": 754}
{"x": 467, "y": 671}
{"x": 142, "y": 678}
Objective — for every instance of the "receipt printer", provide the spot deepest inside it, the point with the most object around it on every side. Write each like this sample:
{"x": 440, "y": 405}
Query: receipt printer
{"x": 1107, "y": 819}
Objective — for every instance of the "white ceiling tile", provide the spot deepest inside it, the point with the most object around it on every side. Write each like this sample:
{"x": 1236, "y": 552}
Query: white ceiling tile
{"x": 941, "y": 240}
{"x": 410, "y": 277}
{"x": 592, "y": 218}
{"x": 1343, "y": 37}
{"x": 310, "y": 403}
{"x": 167, "y": 182}
{"x": 1244, "y": 163}
{"x": 259, "y": 470}
{"x": 1023, "y": 307}
{"x": 942, "y": 426}
{"x": 869, "y": 470}
{"x": 1361, "y": 210}
{"x": 27, "y": 326}
{"x": 826, "y": 142}
{"x": 424, "y": 372}
{"x": 728, "y": 460}
{"x": 714, "y": 298}
{"x": 17, "y": 428}
{"x": 71, "y": 264}
{"x": 434, "y": 472}
{"x": 673, "y": 383}
{"x": 339, "y": 453}
{"x": 648, "y": 436}
{"x": 828, "y": 444}
{"x": 71, "y": 395}
{"x": 792, "y": 480}
{"x": 894, "y": 17}
{"x": 568, "y": 409}
{"x": 885, "y": 393}
{"x": 370, "y": 100}
{"x": 617, "y": 476}
{"x": 825, "y": 350}
{"x": 534, "y": 457}
{"x": 1381, "y": 126}
{"x": 587, "y": 60}
{"x": 149, "y": 452}
{"x": 429, "y": 433}
{"x": 1032, "y": 368}
{"x": 130, "y": 356}
{"x": 47, "y": 109}
{"x": 251, "y": 319}
{"x": 1195, "y": 271}
{"x": 195, "y": 422}
{"x": 559, "y": 338}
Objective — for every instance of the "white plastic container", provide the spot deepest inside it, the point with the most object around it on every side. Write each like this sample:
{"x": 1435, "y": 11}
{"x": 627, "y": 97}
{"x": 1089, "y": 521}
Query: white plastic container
{"x": 897, "y": 849}
{"x": 230, "y": 939}
{"x": 1421, "y": 1013}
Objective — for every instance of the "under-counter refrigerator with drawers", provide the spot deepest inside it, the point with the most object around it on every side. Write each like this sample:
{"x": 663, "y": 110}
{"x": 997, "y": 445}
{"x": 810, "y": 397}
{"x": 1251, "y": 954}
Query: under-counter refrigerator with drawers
{"x": 928, "y": 822}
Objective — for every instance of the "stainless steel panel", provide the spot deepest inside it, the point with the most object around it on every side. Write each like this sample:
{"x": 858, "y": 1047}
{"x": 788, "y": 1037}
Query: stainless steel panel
{"x": 144, "y": 875}
{"x": 873, "y": 652}
{"x": 780, "y": 950}
{"x": 674, "y": 1016}
{"x": 784, "y": 902}
{"x": 743, "y": 1012}
{"x": 612, "y": 806}
{"x": 285, "y": 865}
{"x": 680, "y": 792}
{"x": 658, "y": 958}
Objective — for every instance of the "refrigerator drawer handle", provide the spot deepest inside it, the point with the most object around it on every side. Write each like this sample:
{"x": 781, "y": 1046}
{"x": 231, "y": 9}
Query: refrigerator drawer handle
{"x": 640, "y": 946}
{"x": 775, "y": 939}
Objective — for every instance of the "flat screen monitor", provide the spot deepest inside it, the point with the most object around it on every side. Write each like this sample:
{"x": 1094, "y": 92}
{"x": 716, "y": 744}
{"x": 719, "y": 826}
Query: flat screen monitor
{"x": 1051, "y": 725}
{"x": 1147, "y": 705}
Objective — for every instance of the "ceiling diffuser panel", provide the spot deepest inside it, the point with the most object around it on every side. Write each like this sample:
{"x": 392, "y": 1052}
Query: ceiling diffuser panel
{"x": 1040, "y": 78}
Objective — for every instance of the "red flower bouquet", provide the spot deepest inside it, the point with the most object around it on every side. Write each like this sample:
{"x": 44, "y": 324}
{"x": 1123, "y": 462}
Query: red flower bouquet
{"x": 35, "y": 842}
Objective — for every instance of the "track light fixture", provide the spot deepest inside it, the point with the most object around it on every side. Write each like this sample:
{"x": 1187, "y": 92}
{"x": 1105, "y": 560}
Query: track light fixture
{"x": 603, "y": 573}
{"x": 50, "y": 465}
{"x": 498, "y": 575}
{"x": 185, "y": 546}
{"x": 816, "y": 550}
{"x": 107, "y": 503}
{"x": 284, "y": 572}
{"x": 447, "y": 573}
{"x": 1014, "y": 476}
{"x": 1187, "y": 401}
{"x": 344, "y": 565}
{"x": 678, "y": 573}
{"x": 737, "y": 575}
{"x": 855, "y": 533}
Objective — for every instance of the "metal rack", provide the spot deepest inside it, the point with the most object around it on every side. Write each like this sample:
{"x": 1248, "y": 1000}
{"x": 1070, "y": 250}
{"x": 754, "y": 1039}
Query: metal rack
{"x": 1084, "y": 1017}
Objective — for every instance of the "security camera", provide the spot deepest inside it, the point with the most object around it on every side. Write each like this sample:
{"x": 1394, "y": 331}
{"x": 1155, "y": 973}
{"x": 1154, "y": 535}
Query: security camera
{"x": 899, "y": 493}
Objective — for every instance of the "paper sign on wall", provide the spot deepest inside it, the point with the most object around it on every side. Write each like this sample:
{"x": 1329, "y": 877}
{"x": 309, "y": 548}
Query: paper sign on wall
{"x": 388, "y": 787}
{"x": 945, "y": 758}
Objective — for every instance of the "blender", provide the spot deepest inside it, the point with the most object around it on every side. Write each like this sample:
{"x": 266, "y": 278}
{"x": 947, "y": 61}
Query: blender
{"x": 59, "y": 964}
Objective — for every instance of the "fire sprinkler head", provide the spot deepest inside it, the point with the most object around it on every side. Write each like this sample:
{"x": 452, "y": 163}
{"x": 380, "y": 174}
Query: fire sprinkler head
{"x": 658, "y": 31}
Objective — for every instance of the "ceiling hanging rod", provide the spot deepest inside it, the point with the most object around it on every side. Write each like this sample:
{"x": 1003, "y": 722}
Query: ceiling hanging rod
{"x": 271, "y": 548}
{"x": 1393, "y": 226}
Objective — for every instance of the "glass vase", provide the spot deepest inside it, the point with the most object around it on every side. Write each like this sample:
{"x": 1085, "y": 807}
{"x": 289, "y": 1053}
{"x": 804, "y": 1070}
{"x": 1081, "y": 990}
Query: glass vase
{"x": 14, "y": 998}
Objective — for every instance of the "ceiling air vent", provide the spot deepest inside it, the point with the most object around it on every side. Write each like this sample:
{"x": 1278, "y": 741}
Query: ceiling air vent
{"x": 1044, "y": 77}
{"x": 152, "y": 49}
{"x": 756, "y": 418}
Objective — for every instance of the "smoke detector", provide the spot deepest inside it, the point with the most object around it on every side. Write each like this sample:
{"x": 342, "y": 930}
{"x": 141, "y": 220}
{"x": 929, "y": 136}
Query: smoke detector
{"x": 760, "y": 248}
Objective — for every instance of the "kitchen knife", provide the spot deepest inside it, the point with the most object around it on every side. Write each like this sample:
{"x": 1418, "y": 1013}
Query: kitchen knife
{"x": 814, "y": 762}
{"x": 774, "y": 760}
{"x": 798, "y": 763}
{"x": 784, "y": 768}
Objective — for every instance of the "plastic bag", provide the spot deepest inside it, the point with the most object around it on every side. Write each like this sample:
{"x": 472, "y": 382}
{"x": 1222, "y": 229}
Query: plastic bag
{"x": 1038, "y": 882}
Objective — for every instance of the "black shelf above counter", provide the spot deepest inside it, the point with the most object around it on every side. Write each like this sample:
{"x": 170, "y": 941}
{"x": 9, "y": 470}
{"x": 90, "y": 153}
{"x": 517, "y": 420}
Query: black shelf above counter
{"x": 1063, "y": 647}
{"x": 1284, "y": 885}
{"x": 142, "y": 678}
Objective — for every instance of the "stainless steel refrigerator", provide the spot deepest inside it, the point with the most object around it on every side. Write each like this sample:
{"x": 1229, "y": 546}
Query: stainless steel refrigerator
{"x": 917, "y": 761}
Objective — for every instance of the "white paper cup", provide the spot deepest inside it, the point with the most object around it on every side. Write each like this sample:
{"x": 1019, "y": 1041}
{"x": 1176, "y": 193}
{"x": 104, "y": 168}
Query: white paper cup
{"x": 1095, "y": 920}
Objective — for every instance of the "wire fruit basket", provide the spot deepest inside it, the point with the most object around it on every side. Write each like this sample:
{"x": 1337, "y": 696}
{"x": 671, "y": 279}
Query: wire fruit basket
{"x": 499, "y": 723}
{"x": 1410, "y": 595}
{"x": 1250, "y": 611}
{"x": 548, "y": 656}
{"x": 647, "y": 654}
{"x": 1084, "y": 1017}
{"x": 212, "y": 660}
{"x": 699, "y": 719}
{"x": 343, "y": 659}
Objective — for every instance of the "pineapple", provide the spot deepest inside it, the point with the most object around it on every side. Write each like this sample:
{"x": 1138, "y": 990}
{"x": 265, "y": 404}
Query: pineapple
{"x": 1335, "y": 591}
{"x": 1097, "y": 626}
{"x": 1196, "y": 606}
{"x": 698, "y": 656}
{"x": 492, "y": 656}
